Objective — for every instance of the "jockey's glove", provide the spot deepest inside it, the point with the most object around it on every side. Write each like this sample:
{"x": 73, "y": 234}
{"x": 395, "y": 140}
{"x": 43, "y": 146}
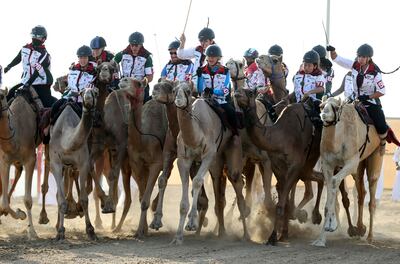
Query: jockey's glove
{"x": 330, "y": 48}
{"x": 6, "y": 69}
{"x": 363, "y": 98}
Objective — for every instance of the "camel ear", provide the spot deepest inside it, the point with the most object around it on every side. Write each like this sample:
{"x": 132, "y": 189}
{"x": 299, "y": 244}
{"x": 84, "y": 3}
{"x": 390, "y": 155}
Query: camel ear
{"x": 324, "y": 98}
{"x": 114, "y": 64}
{"x": 280, "y": 58}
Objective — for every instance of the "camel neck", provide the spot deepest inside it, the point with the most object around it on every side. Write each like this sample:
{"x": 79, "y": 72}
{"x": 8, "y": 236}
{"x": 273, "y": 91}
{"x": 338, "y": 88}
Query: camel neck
{"x": 328, "y": 141}
{"x": 172, "y": 119}
{"x": 135, "y": 125}
{"x": 82, "y": 131}
{"x": 103, "y": 93}
{"x": 189, "y": 127}
{"x": 7, "y": 132}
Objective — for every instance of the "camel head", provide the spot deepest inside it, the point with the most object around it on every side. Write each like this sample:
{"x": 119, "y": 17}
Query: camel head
{"x": 183, "y": 95}
{"x": 61, "y": 84}
{"x": 269, "y": 64}
{"x": 245, "y": 98}
{"x": 236, "y": 69}
{"x": 330, "y": 111}
{"x": 89, "y": 96}
{"x": 164, "y": 92}
{"x": 3, "y": 101}
{"x": 134, "y": 89}
{"x": 106, "y": 71}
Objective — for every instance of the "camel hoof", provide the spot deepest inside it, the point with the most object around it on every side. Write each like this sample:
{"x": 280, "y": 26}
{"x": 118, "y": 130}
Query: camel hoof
{"x": 156, "y": 224}
{"x": 318, "y": 243}
{"x": 191, "y": 225}
{"x": 116, "y": 230}
{"x": 178, "y": 241}
{"x": 60, "y": 234}
{"x": 32, "y": 235}
{"x": 43, "y": 219}
{"x": 20, "y": 214}
{"x": 205, "y": 222}
{"x": 91, "y": 234}
{"x": 98, "y": 224}
{"x": 370, "y": 240}
{"x": 139, "y": 234}
{"x": 316, "y": 218}
{"x": 352, "y": 231}
{"x": 108, "y": 207}
{"x": 362, "y": 230}
{"x": 272, "y": 240}
{"x": 302, "y": 216}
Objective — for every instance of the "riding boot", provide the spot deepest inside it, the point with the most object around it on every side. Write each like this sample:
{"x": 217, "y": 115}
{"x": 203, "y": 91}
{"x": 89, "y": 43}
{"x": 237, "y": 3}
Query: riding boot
{"x": 382, "y": 144}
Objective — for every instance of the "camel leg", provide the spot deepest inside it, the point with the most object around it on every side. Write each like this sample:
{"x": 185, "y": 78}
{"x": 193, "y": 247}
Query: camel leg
{"x": 5, "y": 208}
{"x": 99, "y": 165}
{"x": 153, "y": 172}
{"x": 359, "y": 179}
{"x": 184, "y": 168}
{"x": 248, "y": 172}
{"x": 266, "y": 169}
{"x": 79, "y": 208}
{"x": 71, "y": 204}
{"x": 29, "y": 167}
{"x": 374, "y": 166}
{"x": 115, "y": 198}
{"x": 18, "y": 172}
{"x": 300, "y": 213}
{"x": 58, "y": 173}
{"x": 346, "y": 204}
{"x": 197, "y": 182}
{"x": 117, "y": 156}
{"x": 202, "y": 202}
{"x": 169, "y": 155}
{"x": 219, "y": 183}
{"x": 316, "y": 215}
{"x": 126, "y": 180}
{"x": 43, "y": 219}
{"x": 83, "y": 197}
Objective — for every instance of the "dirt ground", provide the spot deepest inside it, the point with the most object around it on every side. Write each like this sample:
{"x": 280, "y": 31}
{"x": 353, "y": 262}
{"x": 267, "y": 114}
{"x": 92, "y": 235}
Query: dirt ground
{"x": 207, "y": 248}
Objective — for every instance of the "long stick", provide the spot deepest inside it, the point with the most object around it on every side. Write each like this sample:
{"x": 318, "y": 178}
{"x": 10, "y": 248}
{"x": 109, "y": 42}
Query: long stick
{"x": 187, "y": 16}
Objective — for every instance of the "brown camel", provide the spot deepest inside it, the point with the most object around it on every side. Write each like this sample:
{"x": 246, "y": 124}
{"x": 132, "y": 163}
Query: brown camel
{"x": 18, "y": 141}
{"x": 292, "y": 143}
{"x": 69, "y": 150}
{"x": 350, "y": 144}
{"x": 203, "y": 138}
{"x": 147, "y": 129}
{"x": 164, "y": 93}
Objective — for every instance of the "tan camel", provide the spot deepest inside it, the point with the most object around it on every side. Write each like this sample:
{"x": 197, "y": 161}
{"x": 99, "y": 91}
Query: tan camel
{"x": 69, "y": 149}
{"x": 164, "y": 93}
{"x": 18, "y": 141}
{"x": 203, "y": 138}
{"x": 353, "y": 146}
{"x": 292, "y": 144}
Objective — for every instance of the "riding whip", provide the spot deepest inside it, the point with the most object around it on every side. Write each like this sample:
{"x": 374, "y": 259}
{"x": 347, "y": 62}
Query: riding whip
{"x": 187, "y": 16}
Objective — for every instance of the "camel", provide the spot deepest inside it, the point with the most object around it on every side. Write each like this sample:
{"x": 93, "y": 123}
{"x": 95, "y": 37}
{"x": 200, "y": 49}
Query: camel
{"x": 203, "y": 138}
{"x": 18, "y": 141}
{"x": 292, "y": 143}
{"x": 69, "y": 150}
{"x": 164, "y": 93}
{"x": 350, "y": 144}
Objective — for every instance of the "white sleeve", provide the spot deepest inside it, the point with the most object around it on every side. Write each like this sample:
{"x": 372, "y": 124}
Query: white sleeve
{"x": 186, "y": 54}
{"x": 380, "y": 86}
{"x": 345, "y": 63}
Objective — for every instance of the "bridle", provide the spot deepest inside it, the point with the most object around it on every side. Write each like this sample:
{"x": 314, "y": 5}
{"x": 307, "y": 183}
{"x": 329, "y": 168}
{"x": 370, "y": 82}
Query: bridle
{"x": 336, "y": 114}
{"x": 274, "y": 76}
{"x": 3, "y": 109}
{"x": 236, "y": 78}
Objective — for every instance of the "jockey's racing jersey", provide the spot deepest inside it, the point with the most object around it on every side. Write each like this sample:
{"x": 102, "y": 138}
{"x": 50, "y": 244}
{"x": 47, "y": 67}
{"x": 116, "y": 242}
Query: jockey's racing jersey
{"x": 364, "y": 82}
{"x": 135, "y": 66}
{"x": 304, "y": 82}
{"x": 35, "y": 63}
{"x": 178, "y": 71}
{"x": 216, "y": 78}
{"x": 79, "y": 78}
{"x": 255, "y": 79}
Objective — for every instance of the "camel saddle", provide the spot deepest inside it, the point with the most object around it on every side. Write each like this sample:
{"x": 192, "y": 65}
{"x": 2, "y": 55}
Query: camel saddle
{"x": 311, "y": 107}
{"x": 219, "y": 111}
{"x": 268, "y": 103}
{"x": 362, "y": 112}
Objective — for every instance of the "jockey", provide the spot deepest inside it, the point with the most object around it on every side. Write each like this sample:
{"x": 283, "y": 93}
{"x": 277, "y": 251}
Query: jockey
{"x": 176, "y": 69}
{"x": 99, "y": 55}
{"x": 36, "y": 67}
{"x": 255, "y": 78}
{"x": 326, "y": 67}
{"x": 206, "y": 38}
{"x": 136, "y": 61}
{"x": 367, "y": 86}
{"x": 215, "y": 81}
{"x": 278, "y": 51}
{"x": 310, "y": 80}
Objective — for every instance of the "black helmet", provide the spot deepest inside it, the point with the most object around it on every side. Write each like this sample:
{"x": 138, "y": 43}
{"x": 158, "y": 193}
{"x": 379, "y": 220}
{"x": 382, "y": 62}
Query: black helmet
{"x": 213, "y": 51}
{"x": 311, "y": 57}
{"x": 275, "y": 50}
{"x": 38, "y": 32}
{"x": 365, "y": 50}
{"x": 251, "y": 53}
{"x": 84, "y": 51}
{"x": 320, "y": 50}
{"x": 174, "y": 45}
{"x": 98, "y": 43}
{"x": 206, "y": 33}
{"x": 136, "y": 38}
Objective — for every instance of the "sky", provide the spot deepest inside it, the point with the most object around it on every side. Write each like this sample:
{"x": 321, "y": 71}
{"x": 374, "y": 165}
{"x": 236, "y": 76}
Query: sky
{"x": 238, "y": 25}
